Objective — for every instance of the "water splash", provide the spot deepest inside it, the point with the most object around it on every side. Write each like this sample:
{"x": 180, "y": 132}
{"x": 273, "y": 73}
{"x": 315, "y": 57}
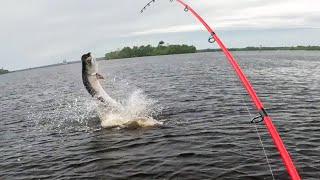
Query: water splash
{"x": 137, "y": 112}
{"x": 64, "y": 112}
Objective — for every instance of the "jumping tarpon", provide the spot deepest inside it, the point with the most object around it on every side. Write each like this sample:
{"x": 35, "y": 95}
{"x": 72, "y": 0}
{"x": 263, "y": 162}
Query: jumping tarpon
{"x": 90, "y": 78}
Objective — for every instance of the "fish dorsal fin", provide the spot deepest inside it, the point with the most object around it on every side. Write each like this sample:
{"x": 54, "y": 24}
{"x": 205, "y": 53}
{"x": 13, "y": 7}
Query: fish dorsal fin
{"x": 99, "y": 76}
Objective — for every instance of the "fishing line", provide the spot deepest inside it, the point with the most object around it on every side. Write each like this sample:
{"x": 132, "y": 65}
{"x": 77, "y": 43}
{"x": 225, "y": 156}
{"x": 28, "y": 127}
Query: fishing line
{"x": 254, "y": 97}
{"x": 252, "y": 117}
{"x": 254, "y": 122}
{"x": 256, "y": 128}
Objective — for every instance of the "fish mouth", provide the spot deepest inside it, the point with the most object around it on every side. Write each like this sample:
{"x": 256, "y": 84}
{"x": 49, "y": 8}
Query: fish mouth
{"x": 89, "y": 60}
{"x": 87, "y": 56}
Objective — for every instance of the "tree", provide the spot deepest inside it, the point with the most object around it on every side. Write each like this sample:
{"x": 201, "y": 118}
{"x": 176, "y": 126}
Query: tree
{"x": 128, "y": 52}
{"x": 161, "y": 43}
{"x": 3, "y": 71}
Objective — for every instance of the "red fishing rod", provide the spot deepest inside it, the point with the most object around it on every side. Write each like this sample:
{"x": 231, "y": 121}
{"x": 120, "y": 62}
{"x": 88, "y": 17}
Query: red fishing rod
{"x": 262, "y": 112}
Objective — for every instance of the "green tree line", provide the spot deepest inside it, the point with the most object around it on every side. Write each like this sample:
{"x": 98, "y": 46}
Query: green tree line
{"x": 252, "y": 48}
{"x": 135, "y": 51}
{"x": 3, "y": 71}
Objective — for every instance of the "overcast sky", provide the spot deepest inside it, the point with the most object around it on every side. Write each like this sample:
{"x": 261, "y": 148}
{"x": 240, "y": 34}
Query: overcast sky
{"x": 40, "y": 32}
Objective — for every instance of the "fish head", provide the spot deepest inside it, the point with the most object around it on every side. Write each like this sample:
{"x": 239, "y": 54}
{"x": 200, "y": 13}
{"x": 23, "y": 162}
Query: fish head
{"x": 89, "y": 64}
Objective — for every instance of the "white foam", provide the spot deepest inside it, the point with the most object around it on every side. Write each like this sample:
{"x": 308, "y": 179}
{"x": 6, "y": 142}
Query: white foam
{"x": 137, "y": 112}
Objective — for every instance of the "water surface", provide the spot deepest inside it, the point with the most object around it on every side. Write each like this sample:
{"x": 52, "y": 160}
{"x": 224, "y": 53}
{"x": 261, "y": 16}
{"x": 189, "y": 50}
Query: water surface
{"x": 49, "y": 128}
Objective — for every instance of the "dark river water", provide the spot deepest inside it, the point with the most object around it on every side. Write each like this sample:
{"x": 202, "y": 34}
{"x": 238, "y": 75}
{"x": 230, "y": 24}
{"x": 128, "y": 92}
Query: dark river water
{"x": 49, "y": 128}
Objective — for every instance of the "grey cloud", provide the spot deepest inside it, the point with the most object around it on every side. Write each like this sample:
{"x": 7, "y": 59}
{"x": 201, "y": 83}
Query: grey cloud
{"x": 39, "y": 32}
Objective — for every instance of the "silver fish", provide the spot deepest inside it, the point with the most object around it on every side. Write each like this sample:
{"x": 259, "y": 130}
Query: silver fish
{"x": 91, "y": 77}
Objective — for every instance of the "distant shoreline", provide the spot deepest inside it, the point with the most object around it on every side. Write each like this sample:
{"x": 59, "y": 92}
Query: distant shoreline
{"x": 148, "y": 50}
{"x": 297, "y": 48}
{"x": 3, "y": 71}
{"x": 253, "y": 48}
